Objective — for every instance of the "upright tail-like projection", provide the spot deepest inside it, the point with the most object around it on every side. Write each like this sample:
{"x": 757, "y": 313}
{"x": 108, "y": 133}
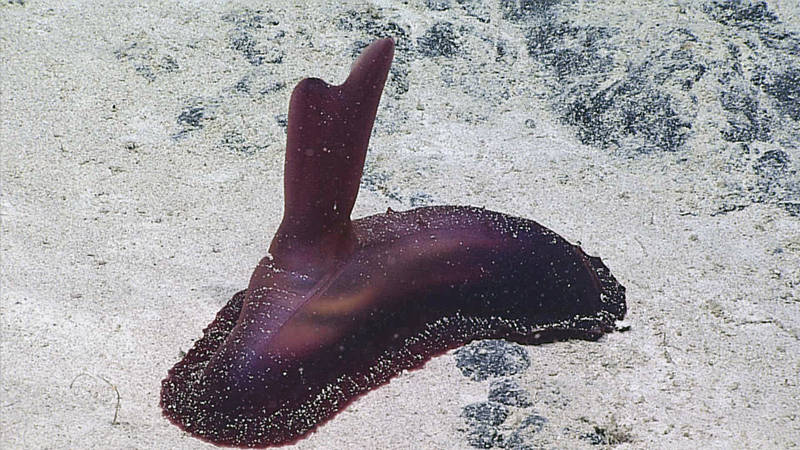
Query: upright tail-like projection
{"x": 328, "y": 135}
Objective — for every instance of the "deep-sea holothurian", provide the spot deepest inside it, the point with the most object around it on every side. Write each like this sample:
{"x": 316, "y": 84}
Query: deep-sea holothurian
{"x": 339, "y": 306}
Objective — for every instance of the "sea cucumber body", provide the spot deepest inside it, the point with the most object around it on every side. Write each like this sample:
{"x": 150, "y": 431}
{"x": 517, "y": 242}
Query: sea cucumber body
{"x": 292, "y": 350}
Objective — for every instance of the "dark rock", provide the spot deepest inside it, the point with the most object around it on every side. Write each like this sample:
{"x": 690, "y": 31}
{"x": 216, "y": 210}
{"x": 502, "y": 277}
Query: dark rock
{"x": 747, "y": 121}
{"x": 147, "y": 60}
{"x": 439, "y": 40}
{"x": 602, "y": 436}
{"x": 236, "y": 143}
{"x": 169, "y": 64}
{"x": 772, "y": 164}
{"x": 628, "y": 112}
{"x": 634, "y": 111}
{"x": 192, "y": 117}
{"x": 491, "y": 358}
{"x": 477, "y": 9}
{"x": 777, "y": 181}
{"x": 484, "y": 436}
{"x": 793, "y": 208}
{"x": 534, "y": 423}
{"x": 438, "y": 5}
{"x": 250, "y": 19}
{"x": 483, "y": 419}
{"x": 504, "y": 52}
{"x": 258, "y": 83}
{"x": 522, "y": 10}
{"x": 784, "y": 87}
{"x": 531, "y": 425}
{"x": 398, "y": 80}
{"x": 282, "y": 120}
{"x": 509, "y": 392}
{"x": 244, "y": 42}
{"x": 595, "y": 437}
{"x": 248, "y": 24}
{"x": 489, "y": 413}
{"x": 743, "y": 14}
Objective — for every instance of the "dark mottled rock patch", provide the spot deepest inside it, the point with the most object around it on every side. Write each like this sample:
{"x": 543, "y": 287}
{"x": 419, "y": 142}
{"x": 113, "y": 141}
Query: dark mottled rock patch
{"x": 603, "y": 436}
{"x": 490, "y": 413}
{"x": 486, "y": 429}
{"x": 146, "y": 60}
{"x": 491, "y": 358}
{"x": 236, "y": 143}
{"x": 782, "y": 41}
{"x": 632, "y": 112}
{"x": 482, "y": 421}
{"x": 755, "y": 17}
{"x": 784, "y": 87}
{"x": 488, "y": 425}
{"x": 245, "y": 43}
{"x": 504, "y": 52}
{"x": 250, "y": 19}
{"x": 742, "y": 14}
{"x": 282, "y": 120}
{"x": 194, "y": 116}
{"x": 518, "y": 439}
{"x": 441, "y": 39}
{"x": 629, "y": 113}
{"x": 772, "y": 165}
{"x": 477, "y": 9}
{"x": 243, "y": 38}
{"x": 523, "y": 10}
{"x": 570, "y": 51}
{"x": 759, "y": 85}
{"x": 398, "y": 81}
{"x": 777, "y": 181}
{"x": 793, "y": 208}
{"x": 258, "y": 83}
{"x": 481, "y": 435}
{"x": 509, "y": 392}
{"x": 747, "y": 120}
{"x": 437, "y": 5}
{"x": 533, "y": 422}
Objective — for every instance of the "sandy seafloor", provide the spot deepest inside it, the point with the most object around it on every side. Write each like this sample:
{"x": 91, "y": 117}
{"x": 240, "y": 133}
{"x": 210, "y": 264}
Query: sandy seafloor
{"x": 142, "y": 181}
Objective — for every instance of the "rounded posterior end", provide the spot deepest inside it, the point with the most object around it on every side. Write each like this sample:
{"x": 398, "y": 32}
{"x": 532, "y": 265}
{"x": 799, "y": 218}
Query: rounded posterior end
{"x": 612, "y": 293}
